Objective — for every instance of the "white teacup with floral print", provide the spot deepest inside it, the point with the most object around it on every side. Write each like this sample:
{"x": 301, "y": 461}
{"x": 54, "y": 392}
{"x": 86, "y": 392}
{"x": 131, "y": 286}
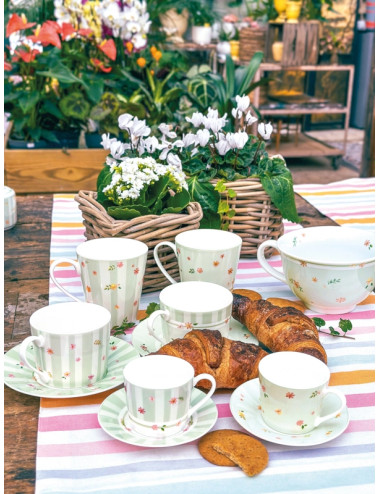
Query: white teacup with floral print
{"x": 330, "y": 268}
{"x": 158, "y": 394}
{"x": 71, "y": 342}
{"x": 112, "y": 272}
{"x": 293, "y": 386}
{"x": 204, "y": 255}
{"x": 191, "y": 305}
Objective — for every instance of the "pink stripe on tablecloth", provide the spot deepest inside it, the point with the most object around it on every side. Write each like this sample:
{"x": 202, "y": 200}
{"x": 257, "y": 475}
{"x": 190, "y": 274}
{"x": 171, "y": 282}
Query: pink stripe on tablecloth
{"x": 360, "y": 400}
{"x": 71, "y": 231}
{"x": 86, "y": 449}
{"x": 224, "y": 410}
{"x": 66, "y": 273}
{"x": 252, "y": 276}
{"x": 256, "y": 265}
{"x": 361, "y": 426}
{"x": 69, "y": 422}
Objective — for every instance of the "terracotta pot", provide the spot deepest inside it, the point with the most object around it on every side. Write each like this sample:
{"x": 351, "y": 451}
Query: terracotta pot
{"x": 175, "y": 24}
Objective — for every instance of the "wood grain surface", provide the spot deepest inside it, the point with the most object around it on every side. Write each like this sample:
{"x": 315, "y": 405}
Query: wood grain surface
{"x": 26, "y": 283}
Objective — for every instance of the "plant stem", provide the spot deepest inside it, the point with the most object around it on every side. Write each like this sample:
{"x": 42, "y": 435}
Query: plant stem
{"x": 340, "y": 335}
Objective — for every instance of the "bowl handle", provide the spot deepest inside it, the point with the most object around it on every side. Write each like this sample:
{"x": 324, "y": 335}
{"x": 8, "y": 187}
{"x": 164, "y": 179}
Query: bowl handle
{"x": 265, "y": 264}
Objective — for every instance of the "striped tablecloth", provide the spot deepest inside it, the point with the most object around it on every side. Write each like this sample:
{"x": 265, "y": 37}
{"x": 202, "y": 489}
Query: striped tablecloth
{"x": 75, "y": 455}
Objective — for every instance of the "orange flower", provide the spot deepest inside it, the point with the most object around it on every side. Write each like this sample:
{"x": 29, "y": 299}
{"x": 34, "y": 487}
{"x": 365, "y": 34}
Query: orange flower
{"x": 26, "y": 55}
{"x": 129, "y": 46}
{"x": 157, "y": 55}
{"x": 216, "y": 263}
{"x": 7, "y": 65}
{"x": 108, "y": 48}
{"x": 153, "y": 49}
{"x": 100, "y": 65}
{"x": 47, "y": 34}
{"x": 88, "y": 288}
{"x": 141, "y": 62}
{"x": 16, "y": 23}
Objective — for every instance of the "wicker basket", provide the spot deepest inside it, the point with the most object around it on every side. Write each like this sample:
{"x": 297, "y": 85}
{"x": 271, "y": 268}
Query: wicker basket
{"x": 256, "y": 219}
{"x": 251, "y": 41}
{"x": 150, "y": 229}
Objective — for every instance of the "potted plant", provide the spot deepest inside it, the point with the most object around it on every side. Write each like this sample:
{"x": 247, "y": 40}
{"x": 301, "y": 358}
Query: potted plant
{"x": 142, "y": 193}
{"x": 202, "y": 19}
{"x": 51, "y": 79}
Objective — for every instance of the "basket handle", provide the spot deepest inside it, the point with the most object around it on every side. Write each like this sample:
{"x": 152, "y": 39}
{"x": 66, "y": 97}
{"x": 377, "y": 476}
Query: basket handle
{"x": 158, "y": 262}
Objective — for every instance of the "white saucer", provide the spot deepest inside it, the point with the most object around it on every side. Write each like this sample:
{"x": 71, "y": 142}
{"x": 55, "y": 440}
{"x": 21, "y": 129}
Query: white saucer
{"x": 20, "y": 378}
{"x": 145, "y": 343}
{"x": 113, "y": 409}
{"x": 244, "y": 404}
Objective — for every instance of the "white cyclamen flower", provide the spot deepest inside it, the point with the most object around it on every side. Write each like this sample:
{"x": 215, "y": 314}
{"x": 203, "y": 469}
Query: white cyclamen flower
{"x": 236, "y": 113}
{"x": 250, "y": 119}
{"x": 138, "y": 128}
{"x": 151, "y": 144}
{"x": 167, "y": 146}
{"x": 106, "y": 141}
{"x": 117, "y": 149}
{"x": 189, "y": 139}
{"x": 166, "y": 131}
{"x": 211, "y": 113}
{"x": 124, "y": 121}
{"x": 265, "y": 130}
{"x": 237, "y": 140}
{"x": 222, "y": 147}
{"x": 174, "y": 160}
{"x": 243, "y": 102}
{"x": 196, "y": 119}
{"x": 203, "y": 137}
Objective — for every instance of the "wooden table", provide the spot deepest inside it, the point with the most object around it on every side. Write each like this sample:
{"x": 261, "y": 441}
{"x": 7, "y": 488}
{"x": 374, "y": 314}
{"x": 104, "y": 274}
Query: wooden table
{"x": 26, "y": 289}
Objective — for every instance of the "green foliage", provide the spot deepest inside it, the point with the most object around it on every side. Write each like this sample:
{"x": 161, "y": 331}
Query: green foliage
{"x": 73, "y": 105}
{"x": 200, "y": 13}
{"x": 344, "y": 325}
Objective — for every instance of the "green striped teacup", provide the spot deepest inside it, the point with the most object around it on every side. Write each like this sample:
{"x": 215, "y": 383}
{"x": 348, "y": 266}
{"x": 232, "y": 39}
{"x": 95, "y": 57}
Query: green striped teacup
{"x": 158, "y": 391}
{"x": 70, "y": 343}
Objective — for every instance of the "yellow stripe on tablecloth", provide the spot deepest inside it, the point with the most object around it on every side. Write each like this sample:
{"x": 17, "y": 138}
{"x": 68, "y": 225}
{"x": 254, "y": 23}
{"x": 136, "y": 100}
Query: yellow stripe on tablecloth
{"x": 352, "y": 377}
{"x": 64, "y": 196}
{"x": 355, "y": 220}
{"x": 335, "y": 192}
{"x": 59, "y": 224}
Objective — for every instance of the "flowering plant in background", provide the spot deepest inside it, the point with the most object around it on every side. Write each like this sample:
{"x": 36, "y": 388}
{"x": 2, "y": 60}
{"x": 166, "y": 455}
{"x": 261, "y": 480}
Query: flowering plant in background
{"x": 127, "y": 20}
{"x": 53, "y": 74}
{"x": 142, "y": 175}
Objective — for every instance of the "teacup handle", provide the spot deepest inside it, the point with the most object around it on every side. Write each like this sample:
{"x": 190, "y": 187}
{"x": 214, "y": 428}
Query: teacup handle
{"x": 38, "y": 341}
{"x": 210, "y": 378}
{"x": 56, "y": 263}
{"x": 342, "y": 398}
{"x": 265, "y": 264}
{"x": 158, "y": 262}
{"x": 165, "y": 314}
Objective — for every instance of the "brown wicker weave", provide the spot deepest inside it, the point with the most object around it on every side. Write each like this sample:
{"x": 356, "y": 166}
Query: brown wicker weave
{"x": 256, "y": 219}
{"x": 150, "y": 229}
{"x": 251, "y": 41}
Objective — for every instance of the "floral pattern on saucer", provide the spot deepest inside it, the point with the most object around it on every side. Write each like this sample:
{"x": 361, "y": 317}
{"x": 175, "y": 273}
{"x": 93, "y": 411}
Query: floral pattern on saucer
{"x": 20, "y": 378}
{"x": 246, "y": 409}
{"x": 112, "y": 420}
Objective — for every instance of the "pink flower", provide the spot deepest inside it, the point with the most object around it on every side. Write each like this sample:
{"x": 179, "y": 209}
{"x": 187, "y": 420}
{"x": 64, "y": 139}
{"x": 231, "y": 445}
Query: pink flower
{"x": 151, "y": 398}
{"x": 173, "y": 401}
{"x": 77, "y": 359}
{"x": 141, "y": 410}
{"x": 11, "y": 375}
{"x": 290, "y": 395}
{"x": 114, "y": 347}
{"x": 72, "y": 346}
{"x": 120, "y": 264}
{"x": 200, "y": 270}
{"x": 299, "y": 423}
{"x": 136, "y": 270}
{"x": 155, "y": 427}
{"x": 91, "y": 377}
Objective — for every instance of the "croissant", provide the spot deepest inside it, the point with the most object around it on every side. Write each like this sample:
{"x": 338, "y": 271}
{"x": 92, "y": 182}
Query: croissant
{"x": 230, "y": 362}
{"x": 278, "y": 328}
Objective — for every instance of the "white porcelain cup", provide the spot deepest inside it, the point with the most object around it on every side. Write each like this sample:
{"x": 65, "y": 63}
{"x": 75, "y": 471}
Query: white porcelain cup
{"x": 293, "y": 386}
{"x": 10, "y": 208}
{"x": 158, "y": 391}
{"x": 191, "y": 305}
{"x": 112, "y": 272}
{"x": 205, "y": 255}
{"x": 330, "y": 268}
{"x": 71, "y": 342}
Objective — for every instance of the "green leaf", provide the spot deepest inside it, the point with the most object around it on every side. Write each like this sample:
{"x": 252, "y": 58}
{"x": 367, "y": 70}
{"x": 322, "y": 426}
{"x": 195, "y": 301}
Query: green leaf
{"x": 179, "y": 200}
{"x": 319, "y": 322}
{"x": 123, "y": 212}
{"x": 277, "y": 182}
{"x": 28, "y": 101}
{"x": 104, "y": 178}
{"x": 62, "y": 73}
{"x": 204, "y": 193}
{"x": 220, "y": 186}
{"x": 152, "y": 307}
{"x": 231, "y": 193}
{"x": 223, "y": 207}
{"x": 333, "y": 331}
{"x": 250, "y": 72}
{"x": 94, "y": 89}
{"x": 345, "y": 325}
{"x": 210, "y": 220}
{"x": 74, "y": 105}
{"x": 230, "y": 78}
{"x": 49, "y": 135}
{"x": 50, "y": 107}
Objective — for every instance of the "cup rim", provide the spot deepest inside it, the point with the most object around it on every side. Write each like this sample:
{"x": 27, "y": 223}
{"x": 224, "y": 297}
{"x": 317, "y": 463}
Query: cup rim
{"x": 101, "y": 323}
{"x": 141, "y": 249}
{"x": 236, "y": 240}
{"x": 207, "y": 285}
{"x": 129, "y": 368}
{"x": 284, "y": 249}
